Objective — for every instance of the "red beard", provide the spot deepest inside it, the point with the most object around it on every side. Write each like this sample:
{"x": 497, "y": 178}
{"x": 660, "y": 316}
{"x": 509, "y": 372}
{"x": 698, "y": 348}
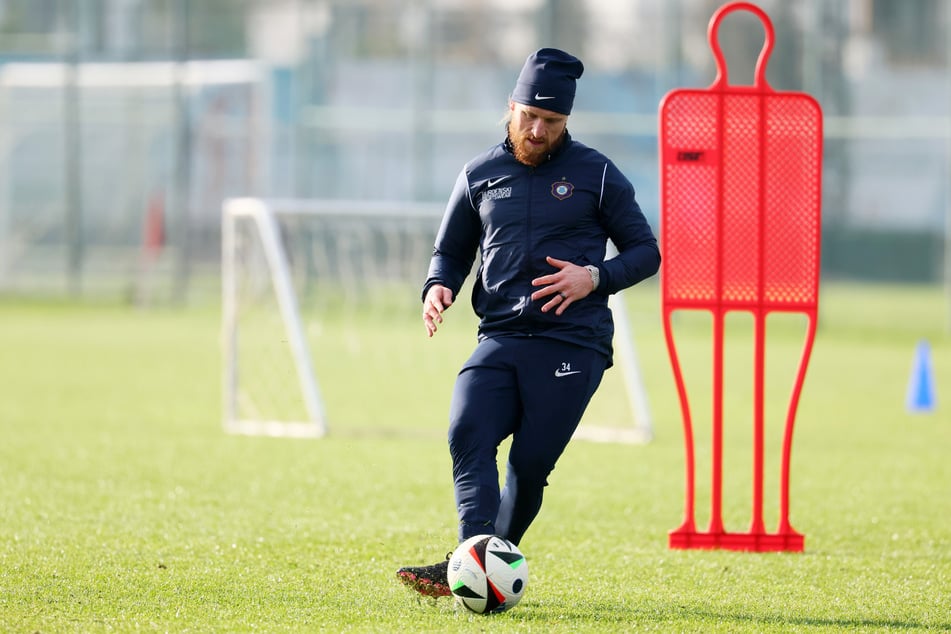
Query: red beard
{"x": 528, "y": 154}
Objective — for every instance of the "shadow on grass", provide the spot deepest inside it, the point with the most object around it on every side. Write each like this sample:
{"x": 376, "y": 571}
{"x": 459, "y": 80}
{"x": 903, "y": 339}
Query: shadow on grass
{"x": 609, "y": 612}
{"x": 845, "y": 623}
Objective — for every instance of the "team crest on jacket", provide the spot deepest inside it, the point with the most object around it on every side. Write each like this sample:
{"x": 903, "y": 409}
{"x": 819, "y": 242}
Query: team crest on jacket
{"x": 562, "y": 189}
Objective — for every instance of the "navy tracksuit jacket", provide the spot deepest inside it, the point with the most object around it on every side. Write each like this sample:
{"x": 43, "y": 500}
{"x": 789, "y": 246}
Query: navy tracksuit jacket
{"x": 515, "y": 215}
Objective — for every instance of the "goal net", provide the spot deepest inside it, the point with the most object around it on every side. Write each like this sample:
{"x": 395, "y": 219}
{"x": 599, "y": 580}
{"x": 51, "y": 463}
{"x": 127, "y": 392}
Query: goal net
{"x": 321, "y": 324}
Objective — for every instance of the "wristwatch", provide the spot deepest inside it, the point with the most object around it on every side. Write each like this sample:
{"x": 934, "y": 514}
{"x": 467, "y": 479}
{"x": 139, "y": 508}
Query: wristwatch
{"x": 595, "y": 275}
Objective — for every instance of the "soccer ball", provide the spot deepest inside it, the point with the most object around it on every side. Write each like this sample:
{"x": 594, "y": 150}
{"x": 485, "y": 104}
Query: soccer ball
{"x": 487, "y": 574}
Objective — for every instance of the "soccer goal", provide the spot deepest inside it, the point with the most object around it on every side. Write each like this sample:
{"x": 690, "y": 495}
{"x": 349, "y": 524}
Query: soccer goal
{"x": 294, "y": 269}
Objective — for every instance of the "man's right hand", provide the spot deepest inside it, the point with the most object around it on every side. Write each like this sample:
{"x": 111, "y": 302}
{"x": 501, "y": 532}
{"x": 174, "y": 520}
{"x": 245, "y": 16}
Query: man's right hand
{"x": 438, "y": 299}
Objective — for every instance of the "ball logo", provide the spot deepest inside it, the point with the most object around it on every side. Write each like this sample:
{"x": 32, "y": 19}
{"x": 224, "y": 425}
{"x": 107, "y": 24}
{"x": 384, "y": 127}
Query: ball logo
{"x": 487, "y": 574}
{"x": 562, "y": 189}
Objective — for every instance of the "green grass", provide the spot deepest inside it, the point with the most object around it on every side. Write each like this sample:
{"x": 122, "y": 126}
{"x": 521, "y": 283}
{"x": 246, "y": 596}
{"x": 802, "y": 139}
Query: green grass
{"x": 124, "y": 507}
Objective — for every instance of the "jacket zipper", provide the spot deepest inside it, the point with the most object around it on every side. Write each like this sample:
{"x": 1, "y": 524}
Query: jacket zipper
{"x": 529, "y": 252}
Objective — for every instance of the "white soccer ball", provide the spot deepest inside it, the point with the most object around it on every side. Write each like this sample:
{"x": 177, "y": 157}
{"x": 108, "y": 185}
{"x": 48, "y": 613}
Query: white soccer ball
{"x": 487, "y": 574}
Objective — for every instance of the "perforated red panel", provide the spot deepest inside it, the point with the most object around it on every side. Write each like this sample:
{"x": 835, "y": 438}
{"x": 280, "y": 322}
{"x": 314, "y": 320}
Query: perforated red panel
{"x": 740, "y": 218}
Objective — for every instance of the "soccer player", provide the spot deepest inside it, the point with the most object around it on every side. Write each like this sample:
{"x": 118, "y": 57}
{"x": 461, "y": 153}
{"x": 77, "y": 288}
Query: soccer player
{"x": 539, "y": 208}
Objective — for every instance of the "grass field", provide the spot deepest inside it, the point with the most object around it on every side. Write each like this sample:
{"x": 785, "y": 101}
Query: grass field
{"x": 126, "y": 508}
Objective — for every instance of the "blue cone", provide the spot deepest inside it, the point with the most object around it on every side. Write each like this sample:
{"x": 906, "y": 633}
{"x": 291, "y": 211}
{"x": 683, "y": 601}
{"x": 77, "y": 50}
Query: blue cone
{"x": 921, "y": 391}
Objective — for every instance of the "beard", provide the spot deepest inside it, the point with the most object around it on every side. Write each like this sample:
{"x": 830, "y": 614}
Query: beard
{"x": 525, "y": 152}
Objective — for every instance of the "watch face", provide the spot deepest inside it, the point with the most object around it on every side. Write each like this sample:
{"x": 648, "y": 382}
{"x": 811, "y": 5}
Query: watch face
{"x": 595, "y": 274}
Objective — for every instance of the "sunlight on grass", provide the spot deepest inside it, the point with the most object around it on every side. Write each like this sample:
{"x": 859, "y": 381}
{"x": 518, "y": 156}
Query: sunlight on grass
{"x": 125, "y": 507}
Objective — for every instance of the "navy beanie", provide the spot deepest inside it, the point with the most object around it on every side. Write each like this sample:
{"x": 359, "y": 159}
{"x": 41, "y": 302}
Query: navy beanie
{"x": 548, "y": 79}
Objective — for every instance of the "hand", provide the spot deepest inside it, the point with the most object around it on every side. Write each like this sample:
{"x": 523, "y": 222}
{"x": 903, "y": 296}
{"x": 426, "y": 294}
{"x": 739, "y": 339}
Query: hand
{"x": 438, "y": 299}
{"x": 566, "y": 286}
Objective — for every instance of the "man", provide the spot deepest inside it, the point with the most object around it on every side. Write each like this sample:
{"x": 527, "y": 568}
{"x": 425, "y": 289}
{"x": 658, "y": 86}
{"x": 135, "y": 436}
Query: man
{"x": 539, "y": 209}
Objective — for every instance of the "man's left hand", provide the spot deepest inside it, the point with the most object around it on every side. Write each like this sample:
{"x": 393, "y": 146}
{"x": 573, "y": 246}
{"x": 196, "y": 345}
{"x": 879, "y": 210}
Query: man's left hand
{"x": 567, "y": 285}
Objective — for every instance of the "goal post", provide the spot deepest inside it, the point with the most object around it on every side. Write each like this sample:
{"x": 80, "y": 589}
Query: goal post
{"x": 289, "y": 263}
{"x": 642, "y": 430}
{"x": 277, "y": 273}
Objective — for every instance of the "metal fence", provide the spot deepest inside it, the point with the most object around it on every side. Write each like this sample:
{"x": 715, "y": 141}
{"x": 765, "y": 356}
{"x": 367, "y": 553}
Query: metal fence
{"x": 125, "y": 123}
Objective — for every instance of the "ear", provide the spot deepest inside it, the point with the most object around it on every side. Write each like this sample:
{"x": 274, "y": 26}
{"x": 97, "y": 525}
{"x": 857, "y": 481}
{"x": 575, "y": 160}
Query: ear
{"x": 511, "y": 106}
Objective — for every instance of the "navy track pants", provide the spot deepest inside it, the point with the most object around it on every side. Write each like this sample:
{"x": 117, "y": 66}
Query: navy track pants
{"x": 533, "y": 389}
